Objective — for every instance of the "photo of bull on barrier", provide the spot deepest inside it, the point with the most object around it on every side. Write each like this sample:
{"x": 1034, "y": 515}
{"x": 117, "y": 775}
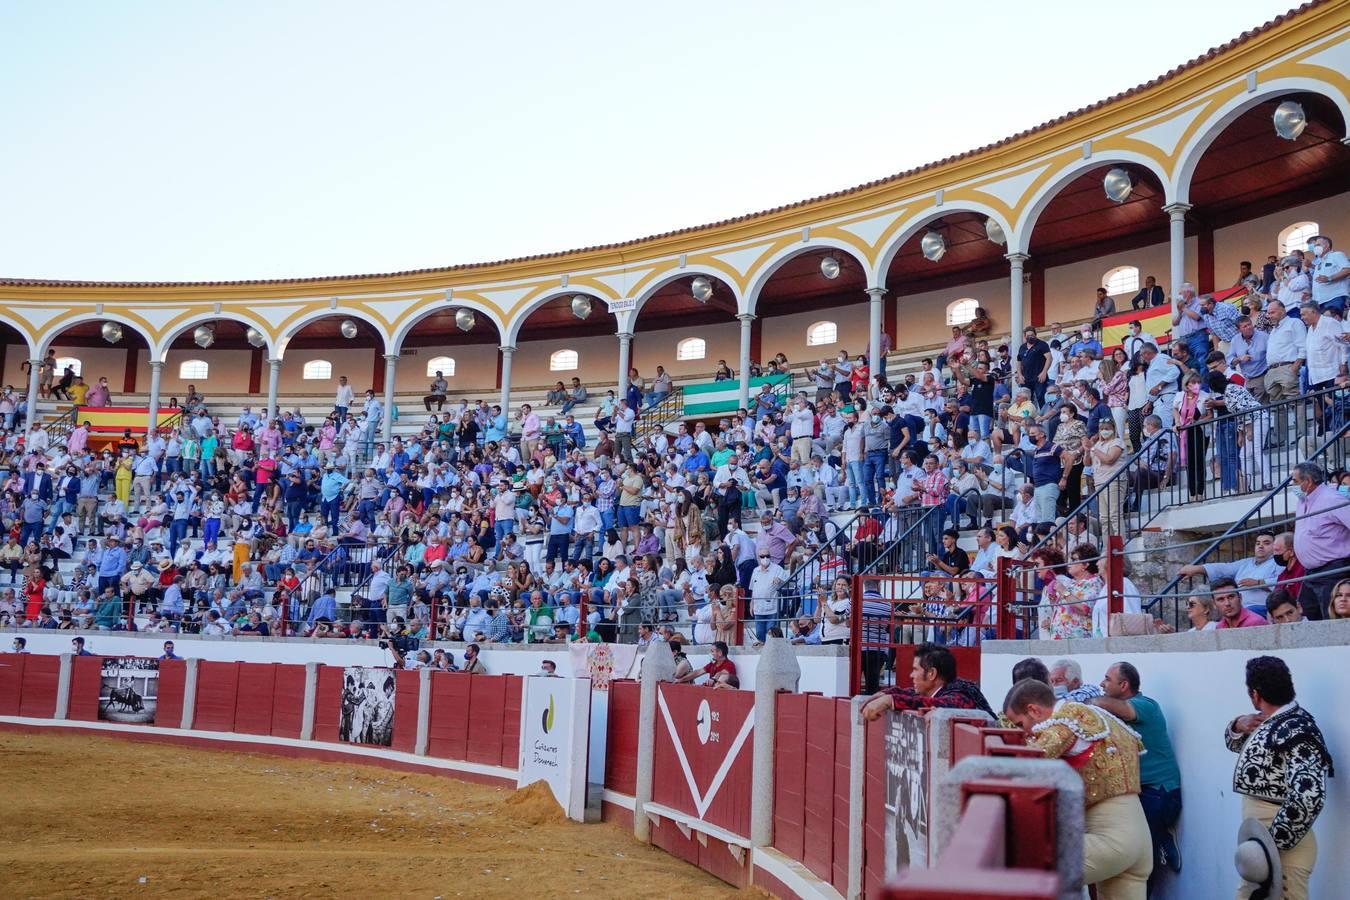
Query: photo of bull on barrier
{"x": 906, "y": 792}
{"x": 129, "y": 691}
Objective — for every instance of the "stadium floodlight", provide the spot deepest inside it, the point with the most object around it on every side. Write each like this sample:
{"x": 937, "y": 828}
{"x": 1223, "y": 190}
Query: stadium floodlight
{"x": 112, "y": 332}
{"x": 1118, "y": 185}
{"x": 1290, "y": 120}
{"x": 701, "y": 288}
{"x": 203, "y": 336}
{"x": 581, "y": 306}
{"x": 255, "y": 337}
{"x": 994, "y": 231}
{"x": 348, "y": 329}
{"x": 934, "y": 246}
{"x": 829, "y": 267}
{"x": 465, "y": 319}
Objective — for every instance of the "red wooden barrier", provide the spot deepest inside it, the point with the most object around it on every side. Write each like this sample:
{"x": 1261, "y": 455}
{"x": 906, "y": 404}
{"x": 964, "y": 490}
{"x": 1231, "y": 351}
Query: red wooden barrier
{"x": 843, "y": 745}
{"x": 819, "y": 810}
{"x": 407, "y": 686}
{"x": 328, "y": 703}
{"x": 37, "y": 695}
{"x": 621, "y": 756}
{"x": 709, "y": 727}
{"x": 487, "y": 702}
{"x": 172, "y": 680}
{"x": 255, "y": 693}
{"x": 86, "y": 678}
{"x": 288, "y": 700}
{"x": 515, "y": 686}
{"x": 217, "y": 690}
{"x": 448, "y": 732}
{"x": 789, "y": 776}
{"x": 874, "y": 811}
{"x": 11, "y": 682}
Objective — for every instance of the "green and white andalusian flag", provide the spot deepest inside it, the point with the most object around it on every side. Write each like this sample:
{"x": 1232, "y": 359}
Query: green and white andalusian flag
{"x": 715, "y": 398}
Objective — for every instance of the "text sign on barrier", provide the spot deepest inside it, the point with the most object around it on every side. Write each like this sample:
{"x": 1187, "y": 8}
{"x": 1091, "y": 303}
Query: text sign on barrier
{"x": 703, "y": 754}
{"x": 556, "y": 727}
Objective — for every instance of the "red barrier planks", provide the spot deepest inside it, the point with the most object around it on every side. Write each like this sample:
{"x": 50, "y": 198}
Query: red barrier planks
{"x": 819, "y": 806}
{"x": 621, "y": 741}
{"x": 288, "y": 700}
{"x": 407, "y": 685}
{"x": 669, "y": 838}
{"x": 11, "y": 682}
{"x": 41, "y": 676}
{"x": 874, "y": 810}
{"x": 704, "y": 753}
{"x": 172, "y": 678}
{"x": 448, "y": 731}
{"x": 789, "y": 776}
{"x": 715, "y": 859}
{"x": 86, "y": 678}
{"x": 843, "y": 745}
{"x": 487, "y": 700}
{"x": 254, "y": 695}
{"x": 515, "y": 686}
{"x": 967, "y": 662}
{"x": 328, "y": 703}
{"x": 217, "y": 689}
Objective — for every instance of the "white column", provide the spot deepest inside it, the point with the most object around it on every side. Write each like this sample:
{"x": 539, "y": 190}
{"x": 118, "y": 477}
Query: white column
{"x": 743, "y": 373}
{"x": 1016, "y": 312}
{"x": 273, "y": 377}
{"x": 152, "y": 422}
{"x": 507, "y": 351}
{"x": 625, "y": 361}
{"x": 34, "y": 370}
{"x": 875, "y": 322}
{"x": 390, "y": 370}
{"x": 1177, "y": 246}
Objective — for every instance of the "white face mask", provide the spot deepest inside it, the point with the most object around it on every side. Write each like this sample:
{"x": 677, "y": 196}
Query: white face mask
{"x": 1317, "y": 250}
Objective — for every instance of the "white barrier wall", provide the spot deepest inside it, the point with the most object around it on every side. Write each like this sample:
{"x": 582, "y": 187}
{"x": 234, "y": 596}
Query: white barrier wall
{"x": 1198, "y": 679}
{"x": 824, "y": 669}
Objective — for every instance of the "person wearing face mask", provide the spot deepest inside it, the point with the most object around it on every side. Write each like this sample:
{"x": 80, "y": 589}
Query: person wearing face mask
{"x": 843, "y": 370}
{"x": 801, "y": 423}
{"x": 1321, "y": 536}
{"x": 1190, "y": 408}
{"x": 876, "y": 444}
{"x": 1108, "y": 458}
{"x": 1330, "y": 273}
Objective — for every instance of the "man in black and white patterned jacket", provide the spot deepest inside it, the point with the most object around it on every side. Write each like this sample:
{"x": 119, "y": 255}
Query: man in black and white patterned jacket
{"x": 1282, "y": 767}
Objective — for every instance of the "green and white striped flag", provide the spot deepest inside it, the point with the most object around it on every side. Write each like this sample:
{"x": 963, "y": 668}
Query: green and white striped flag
{"x": 715, "y": 398}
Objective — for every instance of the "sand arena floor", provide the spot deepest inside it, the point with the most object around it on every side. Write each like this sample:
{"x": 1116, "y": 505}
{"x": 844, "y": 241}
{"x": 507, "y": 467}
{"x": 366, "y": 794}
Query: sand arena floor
{"x": 94, "y": 816}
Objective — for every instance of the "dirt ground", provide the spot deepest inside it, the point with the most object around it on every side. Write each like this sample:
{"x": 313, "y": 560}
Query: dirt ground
{"x": 94, "y": 816}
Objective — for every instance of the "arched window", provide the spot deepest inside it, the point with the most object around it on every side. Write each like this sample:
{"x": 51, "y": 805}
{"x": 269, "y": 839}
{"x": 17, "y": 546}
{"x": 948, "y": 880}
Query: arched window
{"x": 691, "y": 348}
{"x": 443, "y": 364}
{"x": 63, "y": 361}
{"x": 317, "y": 370}
{"x": 193, "y": 368}
{"x": 822, "y": 333}
{"x": 961, "y": 312}
{"x": 1295, "y": 237}
{"x": 1121, "y": 280}
{"x": 563, "y": 361}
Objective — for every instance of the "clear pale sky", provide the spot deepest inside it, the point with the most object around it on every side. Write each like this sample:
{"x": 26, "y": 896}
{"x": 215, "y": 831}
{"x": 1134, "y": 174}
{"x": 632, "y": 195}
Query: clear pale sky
{"x": 185, "y": 141}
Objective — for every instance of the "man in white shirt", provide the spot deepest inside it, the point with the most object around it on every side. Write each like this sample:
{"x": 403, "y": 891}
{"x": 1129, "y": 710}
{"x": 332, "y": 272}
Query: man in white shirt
{"x": 802, "y": 423}
{"x": 1285, "y": 352}
{"x": 623, "y": 431}
{"x": 1325, "y": 352}
{"x": 345, "y": 396}
{"x": 1330, "y": 274}
{"x": 764, "y": 584}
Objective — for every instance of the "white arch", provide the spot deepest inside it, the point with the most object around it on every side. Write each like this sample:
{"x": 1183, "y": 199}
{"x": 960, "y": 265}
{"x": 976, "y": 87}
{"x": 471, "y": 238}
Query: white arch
{"x": 161, "y": 352}
{"x": 877, "y": 277}
{"x": 779, "y": 259}
{"x": 396, "y": 343}
{"x": 22, "y": 329}
{"x": 512, "y": 331}
{"x": 342, "y": 312}
{"x": 1020, "y": 241}
{"x": 1194, "y": 149}
{"x": 45, "y": 341}
{"x": 675, "y": 275}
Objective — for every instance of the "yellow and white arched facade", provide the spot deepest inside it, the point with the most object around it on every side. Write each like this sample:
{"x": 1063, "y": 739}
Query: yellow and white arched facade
{"x": 1163, "y": 127}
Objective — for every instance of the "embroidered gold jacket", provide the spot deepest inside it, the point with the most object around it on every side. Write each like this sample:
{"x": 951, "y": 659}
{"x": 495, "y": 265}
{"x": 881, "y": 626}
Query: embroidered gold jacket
{"x": 1108, "y": 765}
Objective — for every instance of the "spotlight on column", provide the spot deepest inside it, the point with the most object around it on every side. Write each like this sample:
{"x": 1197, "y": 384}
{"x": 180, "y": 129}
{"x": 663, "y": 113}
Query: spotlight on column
{"x": 702, "y": 289}
{"x": 1118, "y": 185}
{"x": 829, "y": 267}
{"x": 348, "y": 329}
{"x": 203, "y": 336}
{"x": 255, "y": 337}
{"x": 1290, "y": 120}
{"x": 465, "y": 319}
{"x": 934, "y": 246}
{"x": 111, "y": 331}
{"x": 581, "y": 306}
{"x": 994, "y": 231}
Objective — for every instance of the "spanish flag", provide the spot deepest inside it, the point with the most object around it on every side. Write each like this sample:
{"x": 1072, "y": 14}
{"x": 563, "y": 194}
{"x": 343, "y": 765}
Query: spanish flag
{"x": 106, "y": 420}
{"x": 1156, "y": 320}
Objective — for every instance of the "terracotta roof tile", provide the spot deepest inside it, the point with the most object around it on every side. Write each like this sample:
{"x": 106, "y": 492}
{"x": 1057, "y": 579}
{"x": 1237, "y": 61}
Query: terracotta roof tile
{"x": 1199, "y": 60}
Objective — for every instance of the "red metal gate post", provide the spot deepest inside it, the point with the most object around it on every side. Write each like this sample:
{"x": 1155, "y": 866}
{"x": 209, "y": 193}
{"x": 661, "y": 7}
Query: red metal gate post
{"x": 1115, "y": 577}
{"x": 855, "y": 632}
{"x": 1005, "y": 596}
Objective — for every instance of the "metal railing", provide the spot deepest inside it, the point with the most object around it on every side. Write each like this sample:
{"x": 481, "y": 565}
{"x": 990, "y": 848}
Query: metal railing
{"x": 916, "y": 533}
{"x": 656, "y": 418}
